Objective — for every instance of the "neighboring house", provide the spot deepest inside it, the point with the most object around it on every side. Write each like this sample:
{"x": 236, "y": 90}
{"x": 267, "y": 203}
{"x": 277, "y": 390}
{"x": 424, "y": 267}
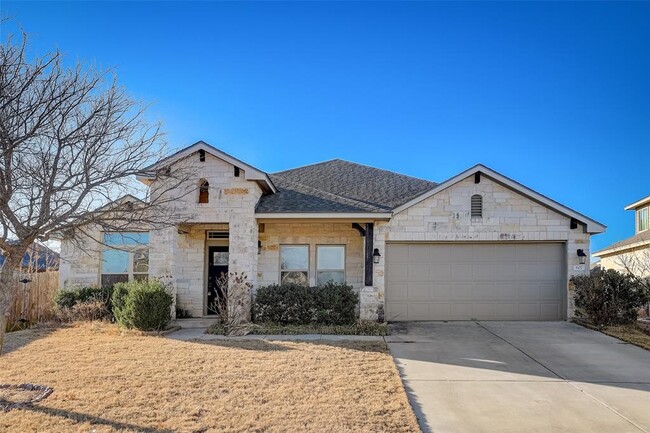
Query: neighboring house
{"x": 631, "y": 254}
{"x": 37, "y": 258}
{"x": 476, "y": 246}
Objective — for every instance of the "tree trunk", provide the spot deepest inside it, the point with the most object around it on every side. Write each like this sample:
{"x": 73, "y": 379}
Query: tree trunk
{"x": 3, "y": 329}
{"x": 8, "y": 286}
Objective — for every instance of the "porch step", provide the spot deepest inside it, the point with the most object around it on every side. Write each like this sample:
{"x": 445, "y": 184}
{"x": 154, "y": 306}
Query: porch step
{"x": 199, "y": 322}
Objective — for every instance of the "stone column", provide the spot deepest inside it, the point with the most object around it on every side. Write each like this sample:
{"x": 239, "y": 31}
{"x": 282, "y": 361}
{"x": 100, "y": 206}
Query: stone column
{"x": 162, "y": 250}
{"x": 243, "y": 236}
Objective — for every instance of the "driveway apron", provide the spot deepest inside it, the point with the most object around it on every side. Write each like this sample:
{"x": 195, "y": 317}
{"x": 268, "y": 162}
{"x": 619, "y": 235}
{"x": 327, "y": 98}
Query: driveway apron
{"x": 521, "y": 377}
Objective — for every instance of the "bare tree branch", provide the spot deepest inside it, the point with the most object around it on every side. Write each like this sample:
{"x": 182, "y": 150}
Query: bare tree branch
{"x": 71, "y": 145}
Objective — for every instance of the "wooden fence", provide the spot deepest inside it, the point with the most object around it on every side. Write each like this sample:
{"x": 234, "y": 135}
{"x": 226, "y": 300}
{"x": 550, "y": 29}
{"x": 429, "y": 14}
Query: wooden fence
{"x": 34, "y": 301}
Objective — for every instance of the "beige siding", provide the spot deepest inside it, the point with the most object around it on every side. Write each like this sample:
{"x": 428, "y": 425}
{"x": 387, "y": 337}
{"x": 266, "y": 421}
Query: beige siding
{"x": 636, "y": 261}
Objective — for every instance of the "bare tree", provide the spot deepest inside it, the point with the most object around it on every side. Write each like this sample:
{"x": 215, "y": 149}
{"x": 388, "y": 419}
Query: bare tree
{"x": 637, "y": 263}
{"x": 71, "y": 144}
{"x": 232, "y": 302}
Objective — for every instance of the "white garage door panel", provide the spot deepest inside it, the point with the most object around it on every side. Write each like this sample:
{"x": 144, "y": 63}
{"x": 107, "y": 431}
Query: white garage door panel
{"x": 475, "y": 281}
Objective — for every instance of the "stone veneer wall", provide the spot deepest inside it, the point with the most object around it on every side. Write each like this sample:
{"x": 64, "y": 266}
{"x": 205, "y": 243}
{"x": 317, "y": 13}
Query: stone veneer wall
{"x": 312, "y": 234}
{"x": 80, "y": 267}
{"x": 180, "y": 251}
{"x": 231, "y": 207}
{"x": 507, "y": 216}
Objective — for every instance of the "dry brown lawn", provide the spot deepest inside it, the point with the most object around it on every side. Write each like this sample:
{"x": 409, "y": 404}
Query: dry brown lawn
{"x": 107, "y": 382}
{"x": 630, "y": 334}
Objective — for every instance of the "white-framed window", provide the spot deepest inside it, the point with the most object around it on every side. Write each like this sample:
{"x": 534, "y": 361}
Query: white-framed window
{"x": 125, "y": 257}
{"x": 330, "y": 264}
{"x": 476, "y": 206}
{"x": 642, "y": 219}
{"x": 294, "y": 264}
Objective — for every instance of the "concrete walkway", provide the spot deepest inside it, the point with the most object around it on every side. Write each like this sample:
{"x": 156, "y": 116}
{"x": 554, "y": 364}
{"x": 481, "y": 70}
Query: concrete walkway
{"x": 521, "y": 377}
{"x": 190, "y": 334}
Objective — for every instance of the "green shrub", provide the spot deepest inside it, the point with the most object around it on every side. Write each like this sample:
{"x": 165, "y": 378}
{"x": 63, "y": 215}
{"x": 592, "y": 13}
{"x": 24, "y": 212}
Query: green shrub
{"x": 68, "y": 298}
{"x": 607, "y": 297}
{"x": 120, "y": 290}
{"x": 335, "y": 304}
{"x": 143, "y": 305}
{"x": 284, "y": 304}
{"x": 291, "y": 304}
{"x": 84, "y": 303}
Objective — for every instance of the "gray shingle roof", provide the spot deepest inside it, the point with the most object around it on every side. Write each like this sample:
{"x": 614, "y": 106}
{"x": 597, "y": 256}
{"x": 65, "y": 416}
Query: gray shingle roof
{"x": 637, "y": 238}
{"x": 340, "y": 186}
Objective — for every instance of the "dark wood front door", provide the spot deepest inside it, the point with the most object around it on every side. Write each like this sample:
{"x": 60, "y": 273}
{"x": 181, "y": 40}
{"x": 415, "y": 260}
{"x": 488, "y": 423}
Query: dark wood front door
{"x": 217, "y": 266}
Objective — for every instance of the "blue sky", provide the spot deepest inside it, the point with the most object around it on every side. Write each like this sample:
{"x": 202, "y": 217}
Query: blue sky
{"x": 554, "y": 95}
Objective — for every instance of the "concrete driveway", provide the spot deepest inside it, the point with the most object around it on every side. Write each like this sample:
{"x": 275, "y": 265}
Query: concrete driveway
{"x": 521, "y": 377}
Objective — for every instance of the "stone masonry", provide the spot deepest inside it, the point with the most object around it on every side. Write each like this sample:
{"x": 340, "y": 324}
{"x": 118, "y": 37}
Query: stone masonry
{"x": 507, "y": 216}
{"x": 180, "y": 251}
{"x": 312, "y": 234}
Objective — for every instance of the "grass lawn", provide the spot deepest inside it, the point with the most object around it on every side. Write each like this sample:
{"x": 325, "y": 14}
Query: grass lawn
{"x": 629, "y": 333}
{"x": 359, "y": 328}
{"x": 106, "y": 382}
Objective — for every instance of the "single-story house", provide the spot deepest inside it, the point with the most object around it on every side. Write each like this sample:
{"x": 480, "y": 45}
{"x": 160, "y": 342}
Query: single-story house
{"x": 631, "y": 254}
{"x": 476, "y": 246}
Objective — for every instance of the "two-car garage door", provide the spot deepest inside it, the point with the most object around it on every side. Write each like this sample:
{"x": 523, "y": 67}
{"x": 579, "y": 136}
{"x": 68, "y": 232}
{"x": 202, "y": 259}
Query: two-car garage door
{"x": 475, "y": 281}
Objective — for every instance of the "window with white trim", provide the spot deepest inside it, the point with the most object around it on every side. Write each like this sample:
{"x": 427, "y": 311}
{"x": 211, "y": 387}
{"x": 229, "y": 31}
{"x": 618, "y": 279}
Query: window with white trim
{"x": 294, "y": 264}
{"x": 477, "y": 206}
{"x": 125, "y": 257}
{"x": 330, "y": 264}
{"x": 642, "y": 219}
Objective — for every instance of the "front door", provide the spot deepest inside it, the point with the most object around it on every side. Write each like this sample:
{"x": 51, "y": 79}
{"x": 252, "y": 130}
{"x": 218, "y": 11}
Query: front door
{"x": 217, "y": 274}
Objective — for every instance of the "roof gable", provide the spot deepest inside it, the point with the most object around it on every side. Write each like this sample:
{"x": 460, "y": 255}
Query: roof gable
{"x": 639, "y": 240}
{"x": 252, "y": 173}
{"x": 591, "y": 225}
{"x": 639, "y": 203}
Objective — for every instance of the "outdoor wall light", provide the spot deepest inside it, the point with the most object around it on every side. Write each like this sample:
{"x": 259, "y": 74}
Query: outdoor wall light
{"x": 259, "y": 247}
{"x": 582, "y": 257}
{"x": 376, "y": 256}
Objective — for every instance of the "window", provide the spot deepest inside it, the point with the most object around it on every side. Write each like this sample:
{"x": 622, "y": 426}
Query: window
{"x": 477, "y": 206}
{"x": 642, "y": 219}
{"x": 128, "y": 260}
{"x": 330, "y": 264}
{"x": 213, "y": 234}
{"x": 204, "y": 191}
{"x": 294, "y": 264}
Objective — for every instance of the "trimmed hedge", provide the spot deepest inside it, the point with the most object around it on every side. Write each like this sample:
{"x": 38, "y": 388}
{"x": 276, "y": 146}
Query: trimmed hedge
{"x": 335, "y": 304}
{"x": 292, "y": 304}
{"x": 68, "y": 298}
{"x": 608, "y": 297}
{"x": 143, "y": 305}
